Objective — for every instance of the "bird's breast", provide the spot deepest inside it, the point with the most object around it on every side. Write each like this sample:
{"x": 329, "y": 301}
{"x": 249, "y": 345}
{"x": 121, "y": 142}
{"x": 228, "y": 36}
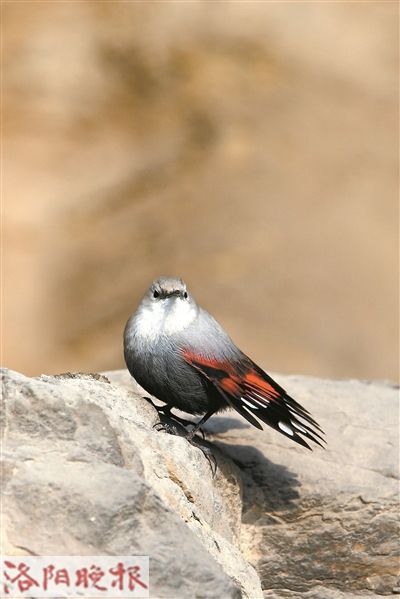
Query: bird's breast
{"x": 160, "y": 319}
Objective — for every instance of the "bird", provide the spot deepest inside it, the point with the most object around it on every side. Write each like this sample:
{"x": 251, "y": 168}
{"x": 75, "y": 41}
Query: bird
{"x": 183, "y": 357}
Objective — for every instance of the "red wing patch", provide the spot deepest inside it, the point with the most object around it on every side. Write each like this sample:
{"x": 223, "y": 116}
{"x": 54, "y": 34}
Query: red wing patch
{"x": 230, "y": 385}
{"x": 231, "y": 377}
{"x": 252, "y": 392}
{"x": 255, "y": 382}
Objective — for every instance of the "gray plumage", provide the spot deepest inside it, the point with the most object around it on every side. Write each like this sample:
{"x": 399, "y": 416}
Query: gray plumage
{"x": 154, "y": 357}
{"x": 180, "y": 354}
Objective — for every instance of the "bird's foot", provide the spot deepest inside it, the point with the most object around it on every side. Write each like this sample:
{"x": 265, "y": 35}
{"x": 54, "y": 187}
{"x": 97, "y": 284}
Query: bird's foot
{"x": 181, "y": 430}
{"x": 187, "y": 423}
{"x": 166, "y": 428}
{"x": 165, "y": 411}
{"x": 190, "y": 437}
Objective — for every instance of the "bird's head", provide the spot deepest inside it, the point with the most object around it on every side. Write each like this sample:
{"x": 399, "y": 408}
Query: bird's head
{"x": 165, "y": 289}
{"x": 167, "y": 306}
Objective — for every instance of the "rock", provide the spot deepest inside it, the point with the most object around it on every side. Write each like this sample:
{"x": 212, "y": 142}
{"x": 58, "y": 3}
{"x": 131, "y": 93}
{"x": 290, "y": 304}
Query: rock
{"x": 327, "y": 518}
{"x": 85, "y": 473}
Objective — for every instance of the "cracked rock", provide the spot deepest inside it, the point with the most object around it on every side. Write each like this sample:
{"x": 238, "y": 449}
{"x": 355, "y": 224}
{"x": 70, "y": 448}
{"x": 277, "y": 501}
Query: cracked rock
{"x": 84, "y": 472}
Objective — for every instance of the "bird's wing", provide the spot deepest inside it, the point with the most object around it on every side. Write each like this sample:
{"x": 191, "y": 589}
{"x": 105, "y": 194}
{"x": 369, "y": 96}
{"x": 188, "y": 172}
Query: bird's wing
{"x": 253, "y": 393}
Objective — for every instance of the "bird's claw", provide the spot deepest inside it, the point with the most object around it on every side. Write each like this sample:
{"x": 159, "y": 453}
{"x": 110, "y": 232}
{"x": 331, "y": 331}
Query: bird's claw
{"x": 192, "y": 433}
{"x": 158, "y": 426}
{"x": 165, "y": 411}
{"x": 165, "y": 427}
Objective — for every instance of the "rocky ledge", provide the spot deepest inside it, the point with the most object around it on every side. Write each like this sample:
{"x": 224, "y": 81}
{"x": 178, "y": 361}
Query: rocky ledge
{"x": 85, "y": 472}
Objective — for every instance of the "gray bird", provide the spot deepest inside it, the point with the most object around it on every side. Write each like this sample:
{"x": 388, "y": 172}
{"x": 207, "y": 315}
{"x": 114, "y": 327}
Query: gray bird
{"x": 180, "y": 354}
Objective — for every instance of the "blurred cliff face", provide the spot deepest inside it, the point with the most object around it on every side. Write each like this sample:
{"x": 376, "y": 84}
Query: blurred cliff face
{"x": 248, "y": 147}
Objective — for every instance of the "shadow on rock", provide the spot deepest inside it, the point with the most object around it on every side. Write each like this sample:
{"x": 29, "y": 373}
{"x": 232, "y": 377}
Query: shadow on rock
{"x": 218, "y": 425}
{"x": 267, "y": 487}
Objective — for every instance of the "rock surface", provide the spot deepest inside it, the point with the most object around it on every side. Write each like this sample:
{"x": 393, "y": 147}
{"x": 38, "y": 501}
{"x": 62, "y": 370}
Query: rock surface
{"x": 84, "y": 472}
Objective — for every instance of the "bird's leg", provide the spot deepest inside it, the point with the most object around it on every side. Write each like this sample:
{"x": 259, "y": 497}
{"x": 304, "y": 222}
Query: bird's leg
{"x": 196, "y": 427}
{"x": 158, "y": 408}
{"x": 165, "y": 410}
{"x": 206, "y": 450}
{"x": 183, "y": 421}
{"x": 194, "y": 430}
{"x": 168, "y": 428}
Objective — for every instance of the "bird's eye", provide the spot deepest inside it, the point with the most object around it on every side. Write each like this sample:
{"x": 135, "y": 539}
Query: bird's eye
{"x": 185, "y": 295}
{"x": 156, "y": 294}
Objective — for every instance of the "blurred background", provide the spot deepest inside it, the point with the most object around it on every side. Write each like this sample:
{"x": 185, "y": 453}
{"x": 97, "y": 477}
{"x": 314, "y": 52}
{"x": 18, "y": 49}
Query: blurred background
{"x": 250, "y": 148}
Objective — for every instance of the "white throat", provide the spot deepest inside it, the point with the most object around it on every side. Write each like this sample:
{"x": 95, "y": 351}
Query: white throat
{"x": 160, "y": 318}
